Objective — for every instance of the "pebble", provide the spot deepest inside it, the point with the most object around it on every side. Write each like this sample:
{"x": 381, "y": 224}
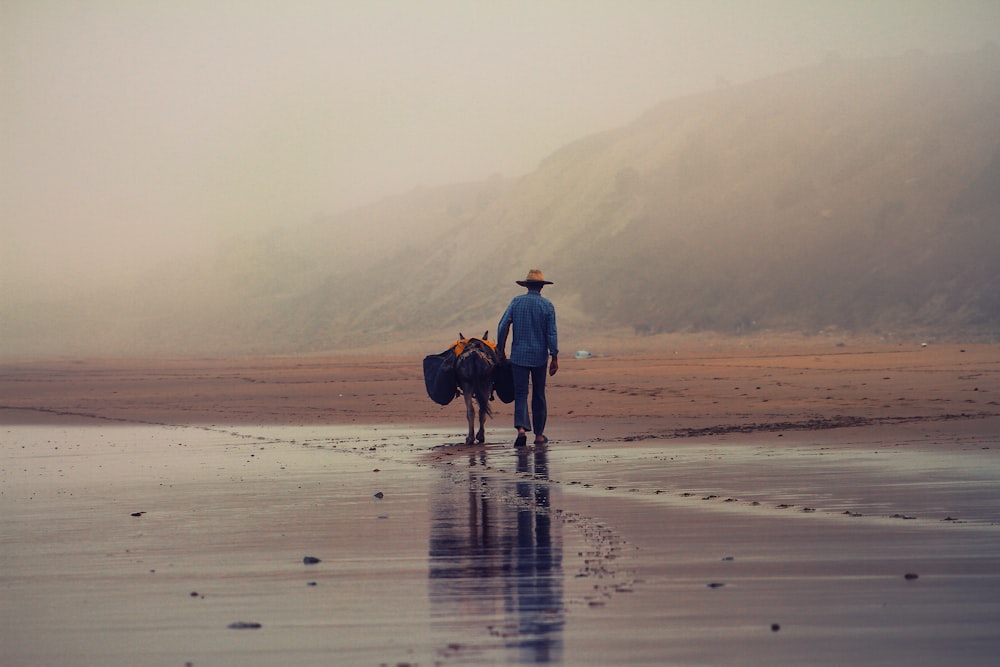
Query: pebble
{"x": 244, "y": 625}
{"x": 910, "y": 576}
{"x": 311, "y": 560}
{"x": 379, "y": 494}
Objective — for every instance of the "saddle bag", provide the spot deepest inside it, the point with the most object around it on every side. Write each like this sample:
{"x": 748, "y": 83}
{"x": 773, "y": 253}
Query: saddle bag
{"x": 439, "y": 376}
{"x": 503, "y": 381}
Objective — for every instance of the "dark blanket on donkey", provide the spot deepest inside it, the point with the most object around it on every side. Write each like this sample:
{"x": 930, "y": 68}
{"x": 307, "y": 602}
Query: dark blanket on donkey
{"x": 439, "y": 376}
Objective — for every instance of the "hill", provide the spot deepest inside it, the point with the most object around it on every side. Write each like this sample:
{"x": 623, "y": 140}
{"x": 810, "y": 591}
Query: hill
{"x": 862, "y": 195}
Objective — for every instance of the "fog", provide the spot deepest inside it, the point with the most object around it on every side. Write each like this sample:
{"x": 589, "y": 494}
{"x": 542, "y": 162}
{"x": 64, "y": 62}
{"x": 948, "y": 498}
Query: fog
{"x": 137, "y": 132}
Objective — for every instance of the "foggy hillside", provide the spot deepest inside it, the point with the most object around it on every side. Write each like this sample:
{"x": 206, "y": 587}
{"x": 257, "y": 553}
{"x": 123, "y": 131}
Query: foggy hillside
{"x": 863, "y": 195}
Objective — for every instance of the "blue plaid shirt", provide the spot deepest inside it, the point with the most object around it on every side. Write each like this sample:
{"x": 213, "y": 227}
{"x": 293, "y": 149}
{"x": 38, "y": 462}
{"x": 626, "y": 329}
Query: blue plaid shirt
{"x": 534, "y": 320}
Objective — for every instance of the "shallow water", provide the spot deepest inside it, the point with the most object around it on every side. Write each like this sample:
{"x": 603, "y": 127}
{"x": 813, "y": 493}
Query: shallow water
{"x": 900, "y": 481}
{"x": 125, "y": 545}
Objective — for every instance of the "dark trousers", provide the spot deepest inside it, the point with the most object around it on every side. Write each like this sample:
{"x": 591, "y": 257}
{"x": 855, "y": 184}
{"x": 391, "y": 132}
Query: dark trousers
{"x": 538, "y": 407}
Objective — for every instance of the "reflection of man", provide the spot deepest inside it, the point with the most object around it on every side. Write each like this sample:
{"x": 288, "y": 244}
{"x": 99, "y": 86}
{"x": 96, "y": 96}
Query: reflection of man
{"x": 538, "y": 564}
{"x": 496, "y": 557}
{"x": 535, "y": 340}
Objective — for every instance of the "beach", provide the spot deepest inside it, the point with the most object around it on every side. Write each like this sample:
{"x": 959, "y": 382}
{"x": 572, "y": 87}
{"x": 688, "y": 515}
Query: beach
{"x": 770, "y": 503}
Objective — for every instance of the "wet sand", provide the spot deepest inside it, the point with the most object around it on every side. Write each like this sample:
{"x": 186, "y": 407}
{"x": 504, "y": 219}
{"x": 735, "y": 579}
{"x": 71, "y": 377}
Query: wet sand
{"x": 742, "y": 506}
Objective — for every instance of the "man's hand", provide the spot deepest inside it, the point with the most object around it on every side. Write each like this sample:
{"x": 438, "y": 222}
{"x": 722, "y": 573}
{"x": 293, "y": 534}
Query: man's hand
{"x": 554, "y": 366}
{"x": 501, "y": 354}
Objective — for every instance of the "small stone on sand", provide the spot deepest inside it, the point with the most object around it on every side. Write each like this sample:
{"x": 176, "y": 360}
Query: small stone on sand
{"x": 244, "y": 625}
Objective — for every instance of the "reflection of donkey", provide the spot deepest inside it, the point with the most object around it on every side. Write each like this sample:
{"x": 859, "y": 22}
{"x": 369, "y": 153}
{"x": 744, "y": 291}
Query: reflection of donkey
{"x": 474, "y": 374}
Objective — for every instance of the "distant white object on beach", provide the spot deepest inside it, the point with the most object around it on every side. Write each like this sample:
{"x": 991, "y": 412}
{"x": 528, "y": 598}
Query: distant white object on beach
{"x": 583, "y": 354}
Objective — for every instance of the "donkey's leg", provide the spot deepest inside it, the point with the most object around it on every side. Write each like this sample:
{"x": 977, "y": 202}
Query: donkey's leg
{"x": 470, "y": 414}
{"x": 481, "y": 436}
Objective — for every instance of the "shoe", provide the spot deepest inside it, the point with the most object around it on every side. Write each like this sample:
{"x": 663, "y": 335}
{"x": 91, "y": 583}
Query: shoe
{"x": 542, "y": 441}
{"x": 521, "y": 441}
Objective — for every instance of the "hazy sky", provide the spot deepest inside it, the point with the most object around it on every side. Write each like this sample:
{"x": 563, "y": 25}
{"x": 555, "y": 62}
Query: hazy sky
{"x": 135, "y": 129}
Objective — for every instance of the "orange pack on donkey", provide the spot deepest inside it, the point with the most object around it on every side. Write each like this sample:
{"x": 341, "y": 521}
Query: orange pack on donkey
{"x": 469, "y": 367}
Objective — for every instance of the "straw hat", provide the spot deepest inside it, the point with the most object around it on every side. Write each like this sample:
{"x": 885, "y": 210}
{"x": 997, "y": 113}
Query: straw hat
{"x": 535, "y": 278}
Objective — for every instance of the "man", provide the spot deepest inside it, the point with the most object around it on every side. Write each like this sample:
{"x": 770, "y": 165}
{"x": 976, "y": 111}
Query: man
{"x": 534, "y": 320}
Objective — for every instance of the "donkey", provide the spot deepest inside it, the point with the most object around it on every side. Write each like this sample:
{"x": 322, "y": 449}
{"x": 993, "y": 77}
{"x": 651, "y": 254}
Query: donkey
{"x": 474, "y": 376}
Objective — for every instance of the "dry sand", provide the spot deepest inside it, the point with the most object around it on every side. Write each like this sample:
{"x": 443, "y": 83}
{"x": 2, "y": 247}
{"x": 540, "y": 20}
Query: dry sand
{"x": 747, "y": 505}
